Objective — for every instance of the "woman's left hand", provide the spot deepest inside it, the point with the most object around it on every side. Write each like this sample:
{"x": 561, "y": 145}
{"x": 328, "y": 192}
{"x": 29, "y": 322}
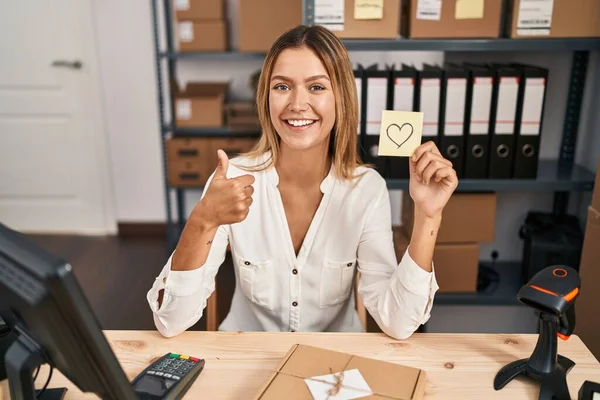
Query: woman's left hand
{"x": 432, "y": 180}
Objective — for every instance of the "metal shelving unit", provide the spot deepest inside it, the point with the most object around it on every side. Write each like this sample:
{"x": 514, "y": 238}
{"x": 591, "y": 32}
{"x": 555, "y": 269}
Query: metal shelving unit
{"x": 560, "y": 176}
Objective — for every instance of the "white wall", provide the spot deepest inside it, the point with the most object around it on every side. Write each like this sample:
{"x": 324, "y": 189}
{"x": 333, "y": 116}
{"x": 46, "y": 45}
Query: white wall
{"x": 129, "y": 81}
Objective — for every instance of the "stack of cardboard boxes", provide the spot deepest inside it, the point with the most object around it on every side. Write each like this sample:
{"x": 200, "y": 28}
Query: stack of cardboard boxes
{"x": 468, "y": 220}
{"x": 586, "y": 305}
{"x": 200, "y": 25}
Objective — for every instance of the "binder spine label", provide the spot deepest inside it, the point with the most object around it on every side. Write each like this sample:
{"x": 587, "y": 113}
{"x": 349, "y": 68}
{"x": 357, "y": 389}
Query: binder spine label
{"x": 430, "y": 105}
{"x": 533, "y": 103}
{"x": 481, "y": 105}
{"x": 507, "y": 105}
{"x": 456, "y": 93}
{"x": 404, "y": 92}
{"x": 358, "y": 82}
{"x": 376, "y": 103}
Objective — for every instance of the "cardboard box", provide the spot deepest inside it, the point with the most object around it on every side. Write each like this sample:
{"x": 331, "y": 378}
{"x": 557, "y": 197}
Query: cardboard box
{"x": 261, "y": 22}
{"x": 467, "y": 218}
{"x": 456, "y": 265}
{"x": 200, "y": 104}
{"x": 385, "y": 380}
{"x": 387, "y": 27}
{"x": 586, "y": 305}
{"x": 242, "y": 117}
{"x": 568, "y": 18}
{"x": 189, "y": 161}
{"x": 198, "y": 9}
{"x": 596, "y": 193}
{"x": 205, "y": 35}
{"x": 232, "y": 146}
{"x": 455, "y": 19}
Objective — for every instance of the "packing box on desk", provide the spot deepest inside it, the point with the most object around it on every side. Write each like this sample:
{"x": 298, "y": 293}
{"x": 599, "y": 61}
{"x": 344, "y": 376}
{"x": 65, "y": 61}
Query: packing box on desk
{"x": 557, "y": 18}
{"x": 467, "y": 218}
{"x": 588, "y": 324}
{"x": 456, "y": 264}
{"x": 201, "y": 36}
{"x": 261, "y": 22}
{"x": 454, "y": 19}
{"x": 198, "y": 9}
{"x": 384, "y": 379}
{"x": 200, "y": 104}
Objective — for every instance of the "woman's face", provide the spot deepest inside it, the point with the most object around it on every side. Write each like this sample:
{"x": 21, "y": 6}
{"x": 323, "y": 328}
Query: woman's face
{"x": 301, "y": 100}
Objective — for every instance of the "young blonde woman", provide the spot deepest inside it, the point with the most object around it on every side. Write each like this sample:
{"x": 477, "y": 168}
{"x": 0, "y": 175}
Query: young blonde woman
{"x": 302, "y": 215}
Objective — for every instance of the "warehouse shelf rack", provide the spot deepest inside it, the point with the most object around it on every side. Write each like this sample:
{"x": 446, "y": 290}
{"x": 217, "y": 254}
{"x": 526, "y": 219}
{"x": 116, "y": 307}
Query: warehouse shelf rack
{"x": 560, "y": 176}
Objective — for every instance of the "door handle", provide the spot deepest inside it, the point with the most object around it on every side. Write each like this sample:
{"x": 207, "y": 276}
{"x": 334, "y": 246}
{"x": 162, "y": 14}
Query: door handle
{"x": 69, "y": 64}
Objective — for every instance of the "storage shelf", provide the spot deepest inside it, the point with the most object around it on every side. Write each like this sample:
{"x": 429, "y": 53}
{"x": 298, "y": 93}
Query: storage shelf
{"x": 505, "y": 293}
{"x": 551, "y": 177}
{"x": 210, "y": 132}
{"x": 404, "y": 44}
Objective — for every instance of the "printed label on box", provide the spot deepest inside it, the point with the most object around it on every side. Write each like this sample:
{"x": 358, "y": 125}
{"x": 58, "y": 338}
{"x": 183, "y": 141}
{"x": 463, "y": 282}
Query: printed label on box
{"x": 330, "y": 14}
{"x": 429, "y": 9}
{"x": 184, "y": 109}
{"x": 535, "y": 17}
{"x": 186, "y": 31}
{"x": 182, "y": 5}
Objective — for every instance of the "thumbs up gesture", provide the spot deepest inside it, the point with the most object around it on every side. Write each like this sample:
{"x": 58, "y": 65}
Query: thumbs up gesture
{"x": 227, "y": 201}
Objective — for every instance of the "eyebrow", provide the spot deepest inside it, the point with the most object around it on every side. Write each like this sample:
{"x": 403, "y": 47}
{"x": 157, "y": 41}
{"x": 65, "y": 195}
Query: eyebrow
{"x": 310, "y": 78}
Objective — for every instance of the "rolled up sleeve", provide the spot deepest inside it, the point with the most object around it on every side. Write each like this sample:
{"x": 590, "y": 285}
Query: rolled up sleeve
{"x": 399, "y": 296}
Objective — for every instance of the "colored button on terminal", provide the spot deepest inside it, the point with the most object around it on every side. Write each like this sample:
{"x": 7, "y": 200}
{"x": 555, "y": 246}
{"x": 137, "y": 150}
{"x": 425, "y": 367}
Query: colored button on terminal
{"x": 184, "y": 357}
{"x": 173, "y": 355}
{"x": 194, "y": 359}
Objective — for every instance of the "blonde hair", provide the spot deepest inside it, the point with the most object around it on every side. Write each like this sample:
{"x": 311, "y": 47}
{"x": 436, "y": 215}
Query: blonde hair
{"x": 333, "y": 55}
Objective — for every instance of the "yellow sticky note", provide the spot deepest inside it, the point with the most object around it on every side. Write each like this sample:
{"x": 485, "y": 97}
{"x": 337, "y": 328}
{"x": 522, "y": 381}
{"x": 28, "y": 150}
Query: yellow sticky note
{"x": 401, "y": 133}
{"x": 368, "y": 9}
{"x": 469, "y": 9}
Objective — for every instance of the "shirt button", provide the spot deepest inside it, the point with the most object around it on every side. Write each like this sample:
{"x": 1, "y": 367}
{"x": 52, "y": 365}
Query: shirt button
{"x": 349, "y": 264}
{"x": 295, "y": 303}
{"x": 295, "y": 271}
{"x": 247, "y": 262}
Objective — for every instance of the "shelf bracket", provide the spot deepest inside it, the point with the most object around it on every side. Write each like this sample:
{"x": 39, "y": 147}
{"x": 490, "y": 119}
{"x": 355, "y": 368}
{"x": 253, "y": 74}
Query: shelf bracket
{"x": 308, "y": 12}
{"x": 571, "y": 125}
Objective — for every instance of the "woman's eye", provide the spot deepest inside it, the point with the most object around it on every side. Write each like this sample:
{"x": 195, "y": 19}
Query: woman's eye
{"x": 317, "y": 88}
{"x": 280, "y": 86}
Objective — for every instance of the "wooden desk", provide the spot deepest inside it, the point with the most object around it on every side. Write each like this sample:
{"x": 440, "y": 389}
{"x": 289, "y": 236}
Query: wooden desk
{"x": 459, "y": 366}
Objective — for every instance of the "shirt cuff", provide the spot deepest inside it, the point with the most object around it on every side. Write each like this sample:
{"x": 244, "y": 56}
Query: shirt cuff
{"x": 415, "y": 278}
{"x": 184, "y": 283}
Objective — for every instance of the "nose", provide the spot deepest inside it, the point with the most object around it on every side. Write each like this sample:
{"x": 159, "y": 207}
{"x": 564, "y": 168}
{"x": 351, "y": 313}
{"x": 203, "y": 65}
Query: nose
{"x": 299, "y": 100}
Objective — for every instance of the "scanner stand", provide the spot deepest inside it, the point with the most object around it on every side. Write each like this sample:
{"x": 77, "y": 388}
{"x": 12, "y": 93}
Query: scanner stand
{"x": 544, "y": 365}
{"x": 22, "y": 357}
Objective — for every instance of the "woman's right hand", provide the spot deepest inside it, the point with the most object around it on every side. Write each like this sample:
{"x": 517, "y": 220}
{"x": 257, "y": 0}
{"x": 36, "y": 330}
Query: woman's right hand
{"x": 227, "y": 201}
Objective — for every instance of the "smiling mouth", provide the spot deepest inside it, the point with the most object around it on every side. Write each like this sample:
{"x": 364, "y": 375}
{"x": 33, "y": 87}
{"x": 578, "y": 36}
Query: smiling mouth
{"x": 299, "y": 123}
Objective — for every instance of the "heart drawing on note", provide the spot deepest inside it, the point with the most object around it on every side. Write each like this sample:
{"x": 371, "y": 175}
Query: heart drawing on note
{"x": 399, "y": 134}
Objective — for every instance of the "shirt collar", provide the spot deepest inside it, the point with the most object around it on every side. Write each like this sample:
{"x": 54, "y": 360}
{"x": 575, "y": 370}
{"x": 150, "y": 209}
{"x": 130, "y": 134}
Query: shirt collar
{"x": 326, "y": 185}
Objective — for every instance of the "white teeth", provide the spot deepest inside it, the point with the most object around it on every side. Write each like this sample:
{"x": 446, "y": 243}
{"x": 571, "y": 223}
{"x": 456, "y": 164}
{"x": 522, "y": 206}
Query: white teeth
{"x": 300, "y": 122}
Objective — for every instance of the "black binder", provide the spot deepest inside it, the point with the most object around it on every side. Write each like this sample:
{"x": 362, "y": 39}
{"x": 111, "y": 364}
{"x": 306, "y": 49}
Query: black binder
{"x": 403, "y": 89}
{"x": 505, "y": 100}
{"x": 377, "y": 99}
{"x": 452, "y": 116}
{"x": 361, "y": 91}
{"x": 532, "y": 94}
{"x": 477, "y": 127}
{"x": 427, "y": 101}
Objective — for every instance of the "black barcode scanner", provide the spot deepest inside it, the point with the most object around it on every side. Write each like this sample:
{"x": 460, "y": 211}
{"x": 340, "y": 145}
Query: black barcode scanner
{"x": 552, "y": 292}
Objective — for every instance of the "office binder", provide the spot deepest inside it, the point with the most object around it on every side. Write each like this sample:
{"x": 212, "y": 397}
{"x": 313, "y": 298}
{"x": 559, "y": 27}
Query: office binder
{"x": 480, "y": 85}
{"x": 427, "y": 99}
{"x": 505, "y": 98}
{"x": 452, "y": 116}
{"x": 361, "y": 91}
{"x": 532, "y": 95}
{"x": 378, "y": 99}
{"x": 402, "y": 99}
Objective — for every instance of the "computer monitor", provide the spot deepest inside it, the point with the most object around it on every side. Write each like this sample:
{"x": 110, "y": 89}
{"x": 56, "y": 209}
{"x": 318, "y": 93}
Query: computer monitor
{"x": 41, "y": 301}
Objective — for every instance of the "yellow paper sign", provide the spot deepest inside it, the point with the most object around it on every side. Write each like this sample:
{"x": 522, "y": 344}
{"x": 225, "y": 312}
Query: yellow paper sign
{"x": 469, "y": 9}
{"x": 368, "y": 9}
{"x": 401, "y": 133}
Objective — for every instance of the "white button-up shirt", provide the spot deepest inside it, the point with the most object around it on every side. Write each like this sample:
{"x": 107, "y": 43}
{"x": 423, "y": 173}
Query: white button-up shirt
{"x": 278, "y": 291}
